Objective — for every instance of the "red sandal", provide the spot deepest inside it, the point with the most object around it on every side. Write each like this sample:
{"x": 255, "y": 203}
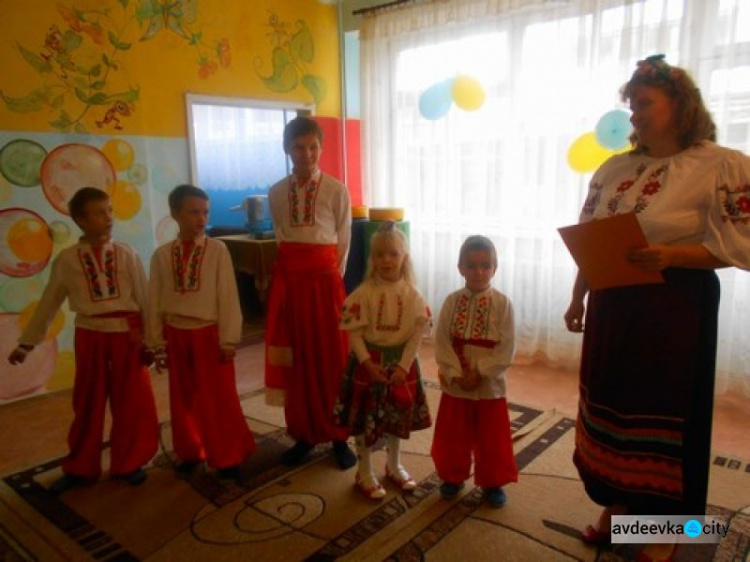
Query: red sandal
{"x": 376, "y": 492}
{"x": 406, "y": 484}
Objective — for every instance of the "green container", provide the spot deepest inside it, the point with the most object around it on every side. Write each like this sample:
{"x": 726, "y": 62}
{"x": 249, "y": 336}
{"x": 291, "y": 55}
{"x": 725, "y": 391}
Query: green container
{"x": 372, "y": 226}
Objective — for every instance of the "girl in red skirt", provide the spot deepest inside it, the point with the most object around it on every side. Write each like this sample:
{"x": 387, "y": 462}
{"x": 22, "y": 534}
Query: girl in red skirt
{"x": 382, "y": 393}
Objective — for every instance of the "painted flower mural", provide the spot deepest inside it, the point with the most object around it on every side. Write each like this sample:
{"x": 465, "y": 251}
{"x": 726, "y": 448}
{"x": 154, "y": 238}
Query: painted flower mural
{"x": 293, "y": 51}
{"x": 77, "y": 59}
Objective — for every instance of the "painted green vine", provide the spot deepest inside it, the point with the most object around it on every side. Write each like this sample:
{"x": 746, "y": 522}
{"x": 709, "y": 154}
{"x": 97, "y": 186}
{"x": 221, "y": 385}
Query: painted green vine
{"x": 78, "y": 57}
{"x": 292, "y": 52}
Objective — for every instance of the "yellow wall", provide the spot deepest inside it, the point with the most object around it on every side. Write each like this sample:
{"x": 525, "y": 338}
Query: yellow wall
{"x": 52, "y": 94}
{"x": 162, "y": 67}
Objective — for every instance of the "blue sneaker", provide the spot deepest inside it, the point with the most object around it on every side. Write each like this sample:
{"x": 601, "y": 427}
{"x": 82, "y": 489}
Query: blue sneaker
{"x": 448, "y": 490}
{"x": 495, "y": 497}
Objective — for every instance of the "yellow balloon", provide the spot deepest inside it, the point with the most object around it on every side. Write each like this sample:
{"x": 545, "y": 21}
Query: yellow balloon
{"x": 467, "y": 92}
{"x": 57, "y": 323}
{"x": 126, "y": 200}
{"x": 586, "y": 154}
{"x": 119, "y": 153}
{"x": 64, "y": 374}
{"x": 30, "y": 240}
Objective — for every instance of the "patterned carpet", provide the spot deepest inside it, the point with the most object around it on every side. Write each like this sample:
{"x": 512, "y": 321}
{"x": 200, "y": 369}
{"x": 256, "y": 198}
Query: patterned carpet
{"x": 313, "y": 512}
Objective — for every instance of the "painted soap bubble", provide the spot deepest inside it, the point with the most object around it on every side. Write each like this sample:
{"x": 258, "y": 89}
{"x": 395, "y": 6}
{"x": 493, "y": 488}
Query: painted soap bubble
{"x": 65, "y": 370}
{"x": 17, "y": 293}
{"x": 138, "y": 174}
{"x": 6, "y": 191}
{"x": 166, "y": 230}
{"x": 120, "y": 153}
{"x": 57, "y": 324}
{"x": 72, "y": 166}
{"x": 27, "y": 242}
{"x": 126, "y": 200}
{"x": 60, "y": 232}
{"x": 30, "y": 376}
{"x": 21, "y": 162}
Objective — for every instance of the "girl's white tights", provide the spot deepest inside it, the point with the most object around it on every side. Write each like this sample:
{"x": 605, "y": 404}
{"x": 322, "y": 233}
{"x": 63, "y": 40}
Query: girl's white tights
{"x": 365, "y": 469}
{"x": 394, "y": 458}
{"x": 366, "y": 473}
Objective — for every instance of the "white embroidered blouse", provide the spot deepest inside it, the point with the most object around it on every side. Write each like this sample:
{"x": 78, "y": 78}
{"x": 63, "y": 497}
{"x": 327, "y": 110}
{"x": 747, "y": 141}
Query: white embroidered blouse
{"x": 698, "y": 196}
{"x": 192, "y": 286}
{"x": 488, "y": 316}
{"x": 318, "y": 212}
{"x": 386, "y": 314}
{"x": 95, "y": 281}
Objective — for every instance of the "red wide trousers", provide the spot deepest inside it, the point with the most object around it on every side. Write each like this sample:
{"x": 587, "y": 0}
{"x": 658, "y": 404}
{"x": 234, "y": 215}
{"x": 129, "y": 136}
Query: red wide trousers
{"x": 306, "y": 352}
{"x": 478, "y": 429}
{"x": 207, "y": 420}
{"x": 108, "y": 366}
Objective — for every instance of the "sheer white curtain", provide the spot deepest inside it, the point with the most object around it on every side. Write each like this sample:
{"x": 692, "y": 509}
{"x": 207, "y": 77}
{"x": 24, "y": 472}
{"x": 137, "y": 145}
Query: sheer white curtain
{"x": 238, "y": 147}
{"x": 550, "y": 70}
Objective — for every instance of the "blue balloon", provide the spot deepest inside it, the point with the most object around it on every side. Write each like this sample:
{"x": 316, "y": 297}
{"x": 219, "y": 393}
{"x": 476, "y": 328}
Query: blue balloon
{"x": 613, "y": 129}
{"x": 436, "y": 100}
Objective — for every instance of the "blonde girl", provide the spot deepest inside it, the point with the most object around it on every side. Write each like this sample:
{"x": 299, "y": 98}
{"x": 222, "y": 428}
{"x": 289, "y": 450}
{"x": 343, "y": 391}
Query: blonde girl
{"x": 382, "y": 393}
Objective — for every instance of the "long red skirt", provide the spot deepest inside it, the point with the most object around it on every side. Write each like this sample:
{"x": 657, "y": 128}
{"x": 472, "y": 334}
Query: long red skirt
{"x": 305, "y": 350}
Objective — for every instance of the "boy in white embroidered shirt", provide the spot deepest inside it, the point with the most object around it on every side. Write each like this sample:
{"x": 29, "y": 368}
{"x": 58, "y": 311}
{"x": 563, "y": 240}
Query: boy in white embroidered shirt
{"x": 474, "y": 345}
{"x": 105, "y": 285}
{"x": 195, "y": 323}
{"x": 305, "y": 351}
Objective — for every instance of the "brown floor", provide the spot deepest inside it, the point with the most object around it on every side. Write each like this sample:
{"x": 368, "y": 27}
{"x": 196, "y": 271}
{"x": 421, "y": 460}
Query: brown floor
{"x": 34, "y": 430}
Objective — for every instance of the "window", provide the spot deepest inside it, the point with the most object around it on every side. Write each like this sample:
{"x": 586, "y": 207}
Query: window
{"x": 236, "y": 150}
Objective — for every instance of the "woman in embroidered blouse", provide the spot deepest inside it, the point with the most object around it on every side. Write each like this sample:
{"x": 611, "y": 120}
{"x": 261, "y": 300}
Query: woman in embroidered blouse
{"x": 382, "y": 391}
{"x": 647, "y": 368}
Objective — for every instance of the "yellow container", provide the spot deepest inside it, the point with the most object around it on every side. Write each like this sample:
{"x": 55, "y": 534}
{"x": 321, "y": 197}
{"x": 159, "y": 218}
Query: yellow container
{"x": 386, "y": 214}
{"x": 360, "y": 212}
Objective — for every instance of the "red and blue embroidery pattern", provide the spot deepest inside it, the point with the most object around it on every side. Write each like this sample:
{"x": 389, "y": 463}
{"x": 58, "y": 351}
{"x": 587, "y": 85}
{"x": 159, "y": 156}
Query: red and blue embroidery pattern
{"x": 94, "y": 270}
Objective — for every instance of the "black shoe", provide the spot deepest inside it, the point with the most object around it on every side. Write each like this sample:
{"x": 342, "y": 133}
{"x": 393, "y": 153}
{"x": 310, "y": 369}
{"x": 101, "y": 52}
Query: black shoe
{"x": 345, "y": 457}
{"x": 67, "y": 482}
{"x": 449, "y": 490}
{"x": 495, "y": 497}
{"x": 230, "y": 473}
{"x": 187, "y": 467}
{"x": 296, "y": 454}
{"x": 135, "y": 478}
